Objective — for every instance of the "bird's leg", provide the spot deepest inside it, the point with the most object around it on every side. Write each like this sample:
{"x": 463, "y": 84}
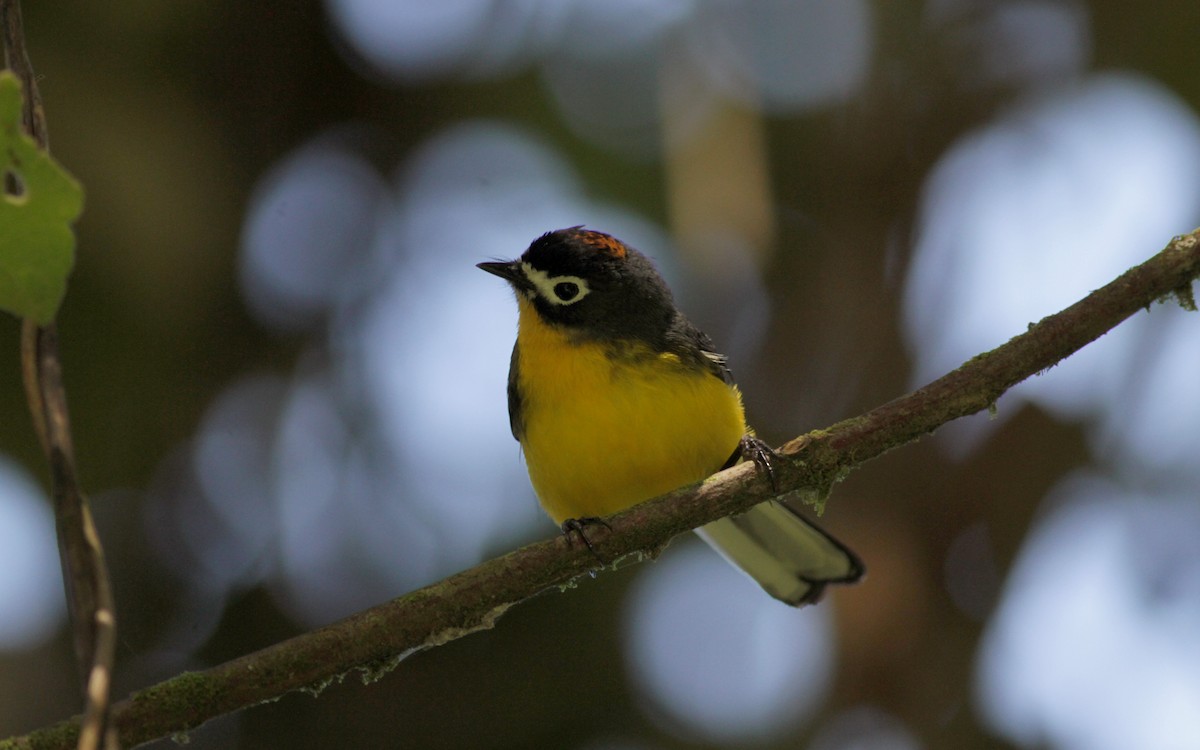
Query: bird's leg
{"x": 753, "y": 449}
{"x": 576, "y": 526}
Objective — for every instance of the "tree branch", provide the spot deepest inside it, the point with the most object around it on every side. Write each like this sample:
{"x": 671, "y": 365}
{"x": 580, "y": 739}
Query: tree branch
{"x": 375, "y": 640}
{"x": 85, "y": 574}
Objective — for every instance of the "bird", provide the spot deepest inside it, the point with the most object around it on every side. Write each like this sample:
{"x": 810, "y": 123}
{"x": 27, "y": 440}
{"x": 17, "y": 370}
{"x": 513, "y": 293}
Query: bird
{"x": 616, "y": 398}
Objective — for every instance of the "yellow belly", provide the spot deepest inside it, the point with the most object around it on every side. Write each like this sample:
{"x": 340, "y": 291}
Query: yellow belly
{"x": 601, "y": 435}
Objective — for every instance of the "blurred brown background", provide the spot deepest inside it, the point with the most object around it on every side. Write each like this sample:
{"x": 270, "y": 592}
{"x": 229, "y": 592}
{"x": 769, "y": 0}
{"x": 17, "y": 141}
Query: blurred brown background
{"x": 287, "y": 381}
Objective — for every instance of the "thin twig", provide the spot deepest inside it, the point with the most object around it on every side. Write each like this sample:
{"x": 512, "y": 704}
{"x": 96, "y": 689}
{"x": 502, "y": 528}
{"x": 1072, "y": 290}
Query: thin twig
{"x": 85, "y": 575}
{"x": 376, "y": 639}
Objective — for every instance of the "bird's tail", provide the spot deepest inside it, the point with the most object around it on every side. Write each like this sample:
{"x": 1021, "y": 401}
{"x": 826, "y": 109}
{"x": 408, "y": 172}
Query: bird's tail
{"x": 789, "y": 556}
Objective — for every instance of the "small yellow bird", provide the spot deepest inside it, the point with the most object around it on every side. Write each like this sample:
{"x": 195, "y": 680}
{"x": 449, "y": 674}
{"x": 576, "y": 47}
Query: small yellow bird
{"x": 616, "y": 398}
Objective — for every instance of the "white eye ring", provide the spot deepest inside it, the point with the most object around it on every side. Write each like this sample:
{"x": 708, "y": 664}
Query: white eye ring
{"x": 559, "y": 290}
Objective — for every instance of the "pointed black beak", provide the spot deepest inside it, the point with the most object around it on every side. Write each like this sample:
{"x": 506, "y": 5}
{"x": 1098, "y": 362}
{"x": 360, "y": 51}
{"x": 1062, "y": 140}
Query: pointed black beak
{"x": 509, "y": 270}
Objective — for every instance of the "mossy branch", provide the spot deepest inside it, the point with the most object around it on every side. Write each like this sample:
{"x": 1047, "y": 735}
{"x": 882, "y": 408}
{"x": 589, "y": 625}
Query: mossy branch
{"x": 375, "y": 640}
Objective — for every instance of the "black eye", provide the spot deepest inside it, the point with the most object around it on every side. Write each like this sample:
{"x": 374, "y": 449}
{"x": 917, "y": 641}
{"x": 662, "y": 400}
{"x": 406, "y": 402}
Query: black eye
{"x": 566, "y": 290}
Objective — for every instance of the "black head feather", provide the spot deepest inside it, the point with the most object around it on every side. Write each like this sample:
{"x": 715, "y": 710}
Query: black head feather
{"x": 627, "y": 299}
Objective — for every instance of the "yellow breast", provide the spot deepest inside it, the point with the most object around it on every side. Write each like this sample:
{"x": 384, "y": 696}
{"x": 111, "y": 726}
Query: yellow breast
{"x": 603, "y": 433}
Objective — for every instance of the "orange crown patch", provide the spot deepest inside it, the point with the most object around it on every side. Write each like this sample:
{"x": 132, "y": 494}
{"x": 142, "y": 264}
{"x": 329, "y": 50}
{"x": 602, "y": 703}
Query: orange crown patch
{"x": 603, "y": 243}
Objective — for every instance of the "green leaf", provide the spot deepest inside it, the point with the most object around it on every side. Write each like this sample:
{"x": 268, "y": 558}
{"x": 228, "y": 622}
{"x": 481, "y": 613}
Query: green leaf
{"x": 38, "y": 203}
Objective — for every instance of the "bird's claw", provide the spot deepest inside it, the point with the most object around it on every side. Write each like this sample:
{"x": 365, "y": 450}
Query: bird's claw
{"x": 753, "y": 449}
{"x": 576, "y": 526}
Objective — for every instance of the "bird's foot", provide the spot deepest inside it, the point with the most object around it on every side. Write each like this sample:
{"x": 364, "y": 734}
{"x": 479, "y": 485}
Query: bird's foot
{"x": 573, "y": 527}
{"x": 753, "y": 449}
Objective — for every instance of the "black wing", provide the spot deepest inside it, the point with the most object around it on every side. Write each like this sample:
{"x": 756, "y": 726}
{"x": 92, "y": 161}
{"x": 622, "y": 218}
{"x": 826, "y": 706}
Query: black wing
{"x": 514, "y": 397}
{"x": 694, "y": 346}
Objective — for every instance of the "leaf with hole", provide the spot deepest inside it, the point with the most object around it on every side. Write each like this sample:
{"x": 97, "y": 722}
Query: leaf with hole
{"x": 39, "y": 202}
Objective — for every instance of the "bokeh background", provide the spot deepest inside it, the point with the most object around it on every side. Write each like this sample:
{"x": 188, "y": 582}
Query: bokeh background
{"x": 287, "y": 377}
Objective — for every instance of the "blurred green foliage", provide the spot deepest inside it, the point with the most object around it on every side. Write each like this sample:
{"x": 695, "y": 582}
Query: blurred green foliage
{"x": 37, "y": 246}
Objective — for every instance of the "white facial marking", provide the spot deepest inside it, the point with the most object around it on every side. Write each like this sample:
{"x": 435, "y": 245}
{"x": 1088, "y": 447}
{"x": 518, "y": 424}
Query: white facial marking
{"x": 560, "y": 290}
